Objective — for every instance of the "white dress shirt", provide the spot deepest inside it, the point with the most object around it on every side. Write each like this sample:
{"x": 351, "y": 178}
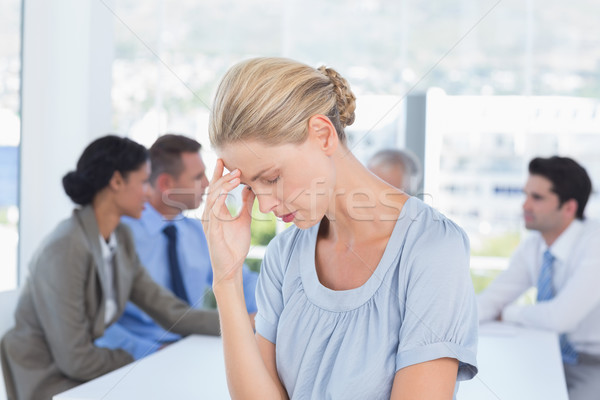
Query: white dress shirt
{"x": 575, "y": 308}
{"x": 108, "y": 252}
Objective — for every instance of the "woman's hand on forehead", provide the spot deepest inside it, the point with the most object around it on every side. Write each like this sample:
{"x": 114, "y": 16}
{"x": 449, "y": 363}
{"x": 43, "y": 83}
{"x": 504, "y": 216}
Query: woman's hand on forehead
{"x": 228, "y": 236}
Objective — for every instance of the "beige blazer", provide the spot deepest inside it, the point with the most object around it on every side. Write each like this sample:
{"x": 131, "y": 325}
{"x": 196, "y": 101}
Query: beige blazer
{"x": 61, "y": 311}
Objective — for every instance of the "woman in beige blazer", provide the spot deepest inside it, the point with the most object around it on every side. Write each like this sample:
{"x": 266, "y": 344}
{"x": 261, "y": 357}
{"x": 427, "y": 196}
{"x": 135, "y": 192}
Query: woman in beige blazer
{"x": 82, "y": 276}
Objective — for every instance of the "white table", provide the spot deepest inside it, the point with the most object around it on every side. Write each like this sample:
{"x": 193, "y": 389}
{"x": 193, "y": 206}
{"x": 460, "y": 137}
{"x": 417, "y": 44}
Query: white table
{"x": 192, "y": 368}
{"x": 516, "y": 364}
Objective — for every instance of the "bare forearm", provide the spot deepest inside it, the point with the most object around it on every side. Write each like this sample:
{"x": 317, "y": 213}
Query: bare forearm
{"x": 434, "y": 379}
{"x": 247, "y": 375}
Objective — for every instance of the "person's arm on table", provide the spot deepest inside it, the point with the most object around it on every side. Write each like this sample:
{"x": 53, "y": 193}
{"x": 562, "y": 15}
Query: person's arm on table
{"x": 117, "y": 336}
{"x": 249, "y": 375}
{"x": 173, "y": 314}
{"x": 162, "y": 305}
{"x": 58, "y": 294}
{"x": 570, "y": 306}
{"x": 505, "y": 289}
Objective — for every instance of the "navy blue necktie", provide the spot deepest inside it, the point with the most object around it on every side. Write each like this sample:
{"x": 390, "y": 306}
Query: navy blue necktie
{"x": 545, "y": 293}
{"x": 176, "y": 279}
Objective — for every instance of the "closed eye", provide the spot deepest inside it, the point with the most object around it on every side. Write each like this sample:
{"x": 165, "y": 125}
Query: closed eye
{"x": 267, "y": 181}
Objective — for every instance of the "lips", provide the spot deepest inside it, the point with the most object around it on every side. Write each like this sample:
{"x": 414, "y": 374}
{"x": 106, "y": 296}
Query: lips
{"x": 288, "y": 217}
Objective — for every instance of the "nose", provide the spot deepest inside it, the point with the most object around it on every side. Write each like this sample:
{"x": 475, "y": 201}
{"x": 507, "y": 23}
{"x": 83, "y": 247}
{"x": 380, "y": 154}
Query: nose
{"x": 526, "y": 204}
{"x": 267, "y": 203}
{"x": 204, "y": 183}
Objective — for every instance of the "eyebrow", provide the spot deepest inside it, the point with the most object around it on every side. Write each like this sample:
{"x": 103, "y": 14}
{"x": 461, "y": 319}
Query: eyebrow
{"x": 534, "y": 193}
{"x": 259, "y": 174}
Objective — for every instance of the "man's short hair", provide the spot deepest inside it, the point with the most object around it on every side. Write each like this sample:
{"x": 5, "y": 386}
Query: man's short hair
{"x": 165, "y": 154}
{"x": 400, "y": 157}
{"x": 569, "y": 179}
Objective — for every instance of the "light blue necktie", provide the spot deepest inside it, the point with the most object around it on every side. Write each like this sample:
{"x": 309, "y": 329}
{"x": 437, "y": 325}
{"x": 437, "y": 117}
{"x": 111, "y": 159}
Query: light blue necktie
{"x": 545, "y": 293}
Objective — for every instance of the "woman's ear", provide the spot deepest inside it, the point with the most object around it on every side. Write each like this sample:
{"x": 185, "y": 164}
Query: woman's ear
{"x": 322, "y": 130}
{"x": 116, "y": 181}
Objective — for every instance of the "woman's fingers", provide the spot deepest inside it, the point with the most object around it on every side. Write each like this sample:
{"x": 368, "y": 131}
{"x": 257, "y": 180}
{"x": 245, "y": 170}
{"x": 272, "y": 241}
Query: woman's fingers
{"x": 228, "y": 237}
{"x": 219, "y": 166}
{"x": 248, "y": 197}
{"x": 213, "y": 187}
{"x": 220, "y": 207}
{"x": 218, "y": 191}
{"x": 220, "y": 183}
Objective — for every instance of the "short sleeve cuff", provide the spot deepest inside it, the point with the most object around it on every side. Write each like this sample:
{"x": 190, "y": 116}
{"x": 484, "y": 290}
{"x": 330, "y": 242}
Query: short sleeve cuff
{"x": 265, "y": 328}
{"x": 467, "y": 368}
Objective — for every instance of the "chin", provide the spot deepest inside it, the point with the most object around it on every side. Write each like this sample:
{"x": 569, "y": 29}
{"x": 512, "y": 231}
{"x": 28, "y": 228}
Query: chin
{"x": 306, "y": 224}
{"x": 136, "y": 215}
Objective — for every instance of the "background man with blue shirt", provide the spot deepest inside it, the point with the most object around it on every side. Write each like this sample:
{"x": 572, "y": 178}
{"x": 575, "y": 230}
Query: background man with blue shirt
{"x": 562, "y": 259}
{"x": 171, "y": 246}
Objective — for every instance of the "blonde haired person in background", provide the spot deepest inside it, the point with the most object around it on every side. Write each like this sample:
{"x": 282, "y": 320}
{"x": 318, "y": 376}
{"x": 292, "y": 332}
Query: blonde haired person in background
{"x": 400, "y": 168}
{"x": 368, "y": 296}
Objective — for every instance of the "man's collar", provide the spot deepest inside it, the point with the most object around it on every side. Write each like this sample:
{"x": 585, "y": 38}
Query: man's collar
{"x": 562, "y": 246}
{"x": 153, "y": 221}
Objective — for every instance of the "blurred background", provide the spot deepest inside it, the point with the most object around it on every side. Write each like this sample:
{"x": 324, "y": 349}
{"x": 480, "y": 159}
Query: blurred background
{"x": 474, "y": 88}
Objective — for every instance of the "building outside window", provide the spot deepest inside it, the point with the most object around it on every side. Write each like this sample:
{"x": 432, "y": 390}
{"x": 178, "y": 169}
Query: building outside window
{"x": 509, "y": 81}
{"x": 10, "y": 131}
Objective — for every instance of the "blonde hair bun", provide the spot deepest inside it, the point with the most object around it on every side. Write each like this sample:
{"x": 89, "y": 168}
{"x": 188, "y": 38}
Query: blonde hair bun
{"x": 346, "y": 101}
{"x": 271, "y": 100}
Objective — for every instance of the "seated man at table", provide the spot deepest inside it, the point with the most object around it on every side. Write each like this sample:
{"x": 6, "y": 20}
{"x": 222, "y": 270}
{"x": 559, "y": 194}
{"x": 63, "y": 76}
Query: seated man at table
{"x": 399, "y": 168}
{"x": 171, "y": 247}
{"x": 562, "y": 259}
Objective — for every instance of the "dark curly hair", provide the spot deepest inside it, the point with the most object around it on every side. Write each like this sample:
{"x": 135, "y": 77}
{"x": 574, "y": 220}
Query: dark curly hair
{"x": 98, "y": 163}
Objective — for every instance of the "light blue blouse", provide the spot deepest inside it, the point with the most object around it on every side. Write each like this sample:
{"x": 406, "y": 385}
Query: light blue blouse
{"x": 417, "y": 306}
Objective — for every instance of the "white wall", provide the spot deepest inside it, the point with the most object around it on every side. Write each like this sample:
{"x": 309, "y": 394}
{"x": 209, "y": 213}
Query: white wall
{"x": 67, "y": 58}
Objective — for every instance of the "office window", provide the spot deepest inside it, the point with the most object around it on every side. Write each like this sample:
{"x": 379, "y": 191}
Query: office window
{"x": 10, "y": 131}
{"x": 169, "y": 56}
{"x": 485, "y": 59}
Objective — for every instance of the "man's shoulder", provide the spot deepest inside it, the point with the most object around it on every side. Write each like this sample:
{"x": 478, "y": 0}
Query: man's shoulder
{"x": 191, "y": 224}
{"x": 592, "y": 226}
{"x": 149, "y": 219}
{"x": 130, "y": 221}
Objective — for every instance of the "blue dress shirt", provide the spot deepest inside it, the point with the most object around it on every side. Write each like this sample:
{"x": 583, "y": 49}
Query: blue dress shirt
{"x": 135, "y": 331}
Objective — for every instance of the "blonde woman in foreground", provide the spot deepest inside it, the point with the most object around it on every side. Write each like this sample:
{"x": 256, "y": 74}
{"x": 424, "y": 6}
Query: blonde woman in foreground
{"x": 369, "y": 295}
